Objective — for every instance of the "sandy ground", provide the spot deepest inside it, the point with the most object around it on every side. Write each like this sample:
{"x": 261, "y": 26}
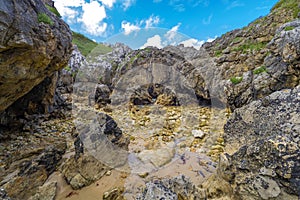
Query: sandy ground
{"x": 94, "y": 191}
{"x": 196, "y": 167}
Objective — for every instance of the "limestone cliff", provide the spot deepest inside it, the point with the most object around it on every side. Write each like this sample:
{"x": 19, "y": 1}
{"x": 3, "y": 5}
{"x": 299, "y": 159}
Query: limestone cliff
{"x": 34, "y": 44}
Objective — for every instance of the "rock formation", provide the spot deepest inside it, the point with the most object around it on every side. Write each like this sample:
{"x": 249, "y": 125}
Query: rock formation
{"x": 254, "y": 71}
{"x": 35, "y": 43}
{"x": 264, "y": 139}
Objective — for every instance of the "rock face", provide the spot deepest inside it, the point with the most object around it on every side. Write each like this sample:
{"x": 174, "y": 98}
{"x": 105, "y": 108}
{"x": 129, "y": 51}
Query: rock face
{"x": 265, "y": 136}
{"x": 39, "y": 100}
{"x": 26, "y": 163}
{"x": 68, "y": 74}
{"x": 87, "y": 166}
{"x": 35, "y": 43}
{"x": 83, "y": 171}
{"x": 154, "y": 94}
{"x": 176, "y": 188}
{"x": 259, "y": 59}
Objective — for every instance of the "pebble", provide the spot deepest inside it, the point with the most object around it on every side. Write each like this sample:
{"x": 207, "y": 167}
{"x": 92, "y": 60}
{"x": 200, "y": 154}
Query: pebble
{"x": 108, "y": 173}
{"x": 198, "y": 134}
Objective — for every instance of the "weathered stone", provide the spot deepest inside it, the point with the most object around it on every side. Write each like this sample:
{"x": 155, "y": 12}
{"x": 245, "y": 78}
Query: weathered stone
{"x": 264, "y": 136}
{"x": 83, "y": 171}
{"x": 171, "y": 189}
{"x": 30, "y": 50}
{"x": 45, "y": 192}
{"x": 114, "y": 194}
{"x": 158, "y": 158}
{"x": 198, "y": 134}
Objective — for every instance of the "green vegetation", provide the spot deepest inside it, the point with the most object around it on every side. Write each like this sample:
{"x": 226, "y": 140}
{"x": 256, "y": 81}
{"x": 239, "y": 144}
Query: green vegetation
{"x": 237, "y": 40}
{"x": 289, "y": 28}
{"x": 250, "y": 47}
{"x": 84, "y": 44}
{"x": 292, "y": 5}
{"x": 100, "y": 49}
{"x": 53, "y": 10}
{"x": 42, "y": 17}
{"x": 133, "y": 58}
{"x": 236, "y": 80}
{"x": 260, "y": 70}
{"x": 68, "y": 68}
{"x": 218, "y": 53}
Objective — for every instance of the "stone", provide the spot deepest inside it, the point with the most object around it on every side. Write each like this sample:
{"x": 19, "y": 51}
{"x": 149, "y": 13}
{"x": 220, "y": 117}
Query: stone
{"x": 178, "y": 187}
{"x": 266, "y": 187}
{"x": 45, "y": 192}
{"x": 78, "y": 182}
{"x": 30, "y": 50}
{"x": 3, "y": 194}
{"x": 114, "y": 194}
{"x": 102, "y": 95}
{"x": 265, "y": 160}
{"x": 198, "y": 134}
{"x": 158, "y": 158}
{"x": 83, "y": 171}
{"x": 33, "y": 172}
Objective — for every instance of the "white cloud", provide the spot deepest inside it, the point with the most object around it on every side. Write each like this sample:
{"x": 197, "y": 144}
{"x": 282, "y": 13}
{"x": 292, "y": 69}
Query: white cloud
{"x": 154, "y": 41}
{"x": 208, "y": 20}
{"x": 192, "y": 43}
{"x": 108, "y": 3}
{"x": 65, "y": 11}
{"x": 94, "y": 22}
{"x": 211, "y": 39}
{"x": 152, "y": 21}
{"x": 128, "y": 3}
{"x": 69, "y": 3}
{"x": 196, "y": 43}
{"x": 235, "y": 4}
{"x": 128, "y": 27}
{"x": 170, "y": 35}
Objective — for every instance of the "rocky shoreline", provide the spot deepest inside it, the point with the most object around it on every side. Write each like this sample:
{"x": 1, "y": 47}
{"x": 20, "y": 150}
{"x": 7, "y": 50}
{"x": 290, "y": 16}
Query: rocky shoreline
{"x": 221, "y": 122}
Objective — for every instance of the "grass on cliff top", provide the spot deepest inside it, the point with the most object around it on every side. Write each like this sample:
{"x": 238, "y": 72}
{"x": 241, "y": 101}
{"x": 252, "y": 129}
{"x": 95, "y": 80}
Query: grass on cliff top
{"x": 250, "y": 46}
{"x": 43, "y": 17}
{"x": 53, "y": 10}
{"x": 84, "y": 44}
{"x": 292, "y": 5}
{"x": 100, "y": 49}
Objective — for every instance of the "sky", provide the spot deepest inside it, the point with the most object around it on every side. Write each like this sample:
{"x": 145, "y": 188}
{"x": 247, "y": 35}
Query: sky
{"x": 141, "y": 23}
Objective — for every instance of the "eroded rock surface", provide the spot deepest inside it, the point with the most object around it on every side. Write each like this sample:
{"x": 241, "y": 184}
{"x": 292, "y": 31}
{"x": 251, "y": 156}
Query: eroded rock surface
{"x": 30, "y": 49}
{"x": 264, "y": 139}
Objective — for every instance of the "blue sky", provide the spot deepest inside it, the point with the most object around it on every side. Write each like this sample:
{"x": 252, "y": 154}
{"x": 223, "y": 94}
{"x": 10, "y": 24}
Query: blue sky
{"x": 140, "y": 23}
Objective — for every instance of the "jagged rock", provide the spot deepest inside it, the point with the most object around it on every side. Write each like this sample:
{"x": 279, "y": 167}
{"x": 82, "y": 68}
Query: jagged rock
{"x": 264, "y": 137}
{"x": 114, "y": 194}
{"x": 3, "y": 194}
{"x": 30, "y": 169}
{"x": 99, "y": 146}
{"x": 83, "y": 171}
{"x": 105, "y": 65}
{"x": 102, "y": 95}
{"x": 154, "y": 94}
{"x": 46, "y": 192}
{"x": 157, "y": 66}
{"x": 265, "y": 53}
{"x": 68, "y": 74}
{"x": 30, "y": 50}
{"x": 171, "y": 189}
{"x": 39, "y": 100}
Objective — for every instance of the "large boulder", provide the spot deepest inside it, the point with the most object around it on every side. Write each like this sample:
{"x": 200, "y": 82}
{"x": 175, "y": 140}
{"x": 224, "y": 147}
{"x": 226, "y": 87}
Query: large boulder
{"x": 34, "y": 44}
{"x": 264, "y": 139}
